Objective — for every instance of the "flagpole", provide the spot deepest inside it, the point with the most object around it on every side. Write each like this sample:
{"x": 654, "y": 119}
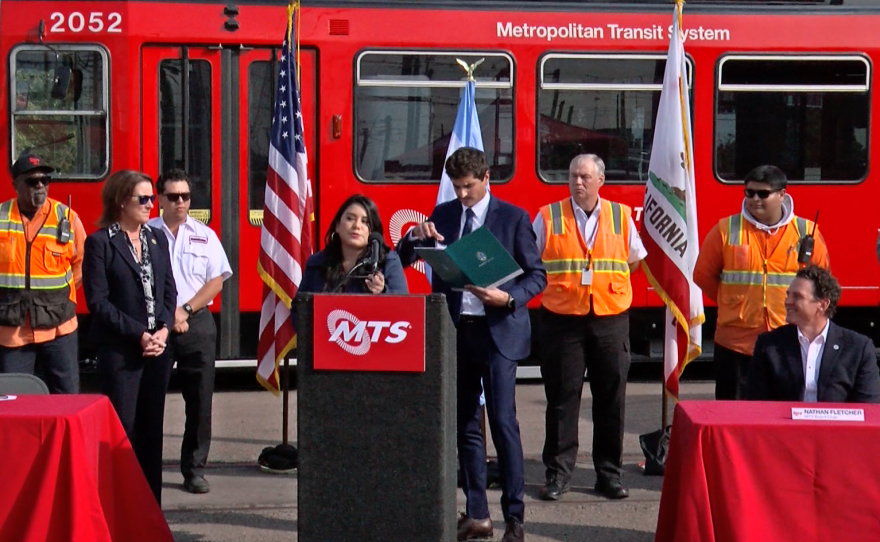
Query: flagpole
{"x": 670, "y": 350}
{"x": 665, "y": 413}
{"x": 287, "y": 171}
{"x": 285, "y": 409}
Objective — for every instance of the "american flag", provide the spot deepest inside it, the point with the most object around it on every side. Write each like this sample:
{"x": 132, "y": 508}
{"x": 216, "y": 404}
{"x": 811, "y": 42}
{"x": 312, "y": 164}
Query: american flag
{"x": 286, "y": 239}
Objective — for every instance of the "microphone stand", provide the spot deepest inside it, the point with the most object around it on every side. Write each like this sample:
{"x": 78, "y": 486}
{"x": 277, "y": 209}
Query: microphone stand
{"x": 348, "y": 276}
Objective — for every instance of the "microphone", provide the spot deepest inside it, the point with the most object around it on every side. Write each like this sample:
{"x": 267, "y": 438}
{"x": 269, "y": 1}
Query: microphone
{"x": 376, "y": 241}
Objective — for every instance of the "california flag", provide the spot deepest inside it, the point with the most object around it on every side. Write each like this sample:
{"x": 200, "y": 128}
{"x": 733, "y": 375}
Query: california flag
{"x": 669, "y": 229}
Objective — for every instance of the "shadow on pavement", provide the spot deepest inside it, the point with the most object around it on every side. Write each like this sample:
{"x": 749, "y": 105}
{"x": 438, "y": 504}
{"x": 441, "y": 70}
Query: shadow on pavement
{"x": 556, "y": 531}
{"x": 180, "y": 520}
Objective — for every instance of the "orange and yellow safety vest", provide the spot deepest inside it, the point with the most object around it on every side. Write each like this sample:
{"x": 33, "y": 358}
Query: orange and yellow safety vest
{"x": 754, "y": 283}
{"x": 36, "y": 277}
{"x": 566, "y": 257}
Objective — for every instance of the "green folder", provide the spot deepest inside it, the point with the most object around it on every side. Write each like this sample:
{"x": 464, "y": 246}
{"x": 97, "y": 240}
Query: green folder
{"x": 477, "y": 258}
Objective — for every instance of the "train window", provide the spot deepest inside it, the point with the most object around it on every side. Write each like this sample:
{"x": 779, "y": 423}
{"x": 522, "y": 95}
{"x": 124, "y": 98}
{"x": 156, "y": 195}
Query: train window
{"x": 603, "y": 104}
{"x": 58, "y": 107}
{"x": 185, "y": 122}
{"x": 405, "y": 108}
{"x": 808, "y": 115}
{"x": 261, "y": 103}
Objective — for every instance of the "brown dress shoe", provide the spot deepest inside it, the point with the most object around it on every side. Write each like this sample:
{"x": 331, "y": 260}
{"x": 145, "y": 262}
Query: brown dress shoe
{"x": 474, "y": 529}
{"x": 514, "y": 531}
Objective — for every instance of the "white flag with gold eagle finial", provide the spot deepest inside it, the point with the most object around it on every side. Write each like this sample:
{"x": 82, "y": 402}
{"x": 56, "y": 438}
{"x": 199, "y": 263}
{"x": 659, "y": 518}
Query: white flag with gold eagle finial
{"x": 669, "y": 229}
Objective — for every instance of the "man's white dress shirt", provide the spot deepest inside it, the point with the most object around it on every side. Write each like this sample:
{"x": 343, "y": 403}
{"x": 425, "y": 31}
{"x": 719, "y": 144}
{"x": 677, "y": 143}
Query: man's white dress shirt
{"x": 811, "y": 357}
{"x": 196, "y": 256}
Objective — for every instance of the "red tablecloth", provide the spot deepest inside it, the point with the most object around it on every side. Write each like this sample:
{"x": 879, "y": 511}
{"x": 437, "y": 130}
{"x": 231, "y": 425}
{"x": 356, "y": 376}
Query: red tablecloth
{"x": 68, "y": 473}
{"x": 745, "y": 471}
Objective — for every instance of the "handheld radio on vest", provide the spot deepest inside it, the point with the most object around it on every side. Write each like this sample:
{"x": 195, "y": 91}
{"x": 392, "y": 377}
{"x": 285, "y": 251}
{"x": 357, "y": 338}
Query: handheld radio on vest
{"x": 63, "y": 233}
{"x": 805, "y": 251}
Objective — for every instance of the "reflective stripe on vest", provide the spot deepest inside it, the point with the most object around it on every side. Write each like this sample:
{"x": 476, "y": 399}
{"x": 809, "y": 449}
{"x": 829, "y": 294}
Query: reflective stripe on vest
{"x": 47, "y": 230}
{"x": 557, "y": 227}
{"x": 610, "y": 266}
{"x": 18, "y": 282}
{"x": 800, "y": 225}
{"x": 734, "y": 230}
{"x": 616, "y": 218}
{"x": 564, "y": 266}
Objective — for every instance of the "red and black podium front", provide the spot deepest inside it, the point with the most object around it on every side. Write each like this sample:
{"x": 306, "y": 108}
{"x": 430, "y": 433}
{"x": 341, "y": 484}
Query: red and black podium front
{"x": 376, "y": 418}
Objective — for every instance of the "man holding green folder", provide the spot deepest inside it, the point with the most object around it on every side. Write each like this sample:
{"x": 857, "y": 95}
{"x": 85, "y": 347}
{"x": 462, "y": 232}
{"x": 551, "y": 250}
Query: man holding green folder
{"x": 493, "y": 333}
{"x": 589, "y": 246}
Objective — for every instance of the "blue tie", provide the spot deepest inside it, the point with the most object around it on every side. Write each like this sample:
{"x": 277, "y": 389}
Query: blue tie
{"x": 468, "y": 222}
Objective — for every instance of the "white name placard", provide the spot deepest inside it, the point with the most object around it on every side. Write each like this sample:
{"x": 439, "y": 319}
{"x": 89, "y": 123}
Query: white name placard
{"x": 835, "y": 414}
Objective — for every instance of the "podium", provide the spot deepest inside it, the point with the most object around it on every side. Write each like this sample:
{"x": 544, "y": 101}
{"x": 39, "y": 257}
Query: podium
{"x": 376, "y": 418}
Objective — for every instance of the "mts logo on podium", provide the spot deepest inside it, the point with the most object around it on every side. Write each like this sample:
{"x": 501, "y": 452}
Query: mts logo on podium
{"x": 369, "y": 333}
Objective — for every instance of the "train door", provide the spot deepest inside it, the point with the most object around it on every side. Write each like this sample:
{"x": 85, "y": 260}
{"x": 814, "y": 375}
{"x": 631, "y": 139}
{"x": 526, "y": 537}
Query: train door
{"x": 208, "y": 110}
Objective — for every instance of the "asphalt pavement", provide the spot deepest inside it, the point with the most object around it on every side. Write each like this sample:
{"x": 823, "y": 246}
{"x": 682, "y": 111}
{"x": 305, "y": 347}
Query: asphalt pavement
{"x": 247, "y": 505}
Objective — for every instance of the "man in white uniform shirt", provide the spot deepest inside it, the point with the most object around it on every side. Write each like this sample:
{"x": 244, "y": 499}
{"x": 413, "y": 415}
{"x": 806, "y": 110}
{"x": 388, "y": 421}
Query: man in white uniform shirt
{"x": 811, "y": 358}
{"x": 200, "y": 266}
{"x": 589, "y": 246}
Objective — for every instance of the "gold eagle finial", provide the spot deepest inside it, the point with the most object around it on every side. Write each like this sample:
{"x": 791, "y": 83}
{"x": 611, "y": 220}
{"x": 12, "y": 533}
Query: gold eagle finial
{"x": 469, "y": 68}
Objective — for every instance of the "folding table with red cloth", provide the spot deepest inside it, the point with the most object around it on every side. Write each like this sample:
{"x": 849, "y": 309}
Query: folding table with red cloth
{"x": 68, "y": 472}
{"x": 745, "y": 471}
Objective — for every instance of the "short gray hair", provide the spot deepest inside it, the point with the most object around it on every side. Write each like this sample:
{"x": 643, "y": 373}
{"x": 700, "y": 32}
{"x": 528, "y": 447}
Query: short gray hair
{"x": 600, "y": 165}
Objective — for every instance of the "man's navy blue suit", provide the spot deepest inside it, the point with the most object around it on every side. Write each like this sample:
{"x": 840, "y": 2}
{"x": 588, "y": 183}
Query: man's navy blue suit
{"x": 489, "y": 350}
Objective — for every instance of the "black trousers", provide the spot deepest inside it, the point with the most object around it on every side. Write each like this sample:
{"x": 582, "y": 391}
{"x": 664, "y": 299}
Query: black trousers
{"x": 571, "y": 345}
{"x": 57, "y": 360}
{"x": 731, "y": 371}
{"x": 194, "y": 352}
{"x": 136, "y": 385}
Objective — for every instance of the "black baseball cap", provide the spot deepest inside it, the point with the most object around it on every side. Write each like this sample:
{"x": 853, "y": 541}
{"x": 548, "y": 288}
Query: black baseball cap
{"x": 29, "y": 162}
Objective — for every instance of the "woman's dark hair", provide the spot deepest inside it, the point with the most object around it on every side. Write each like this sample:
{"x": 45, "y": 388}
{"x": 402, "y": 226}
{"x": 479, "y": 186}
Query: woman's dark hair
{"x": 117, "y": 190}
{"x": 332, "y": 271}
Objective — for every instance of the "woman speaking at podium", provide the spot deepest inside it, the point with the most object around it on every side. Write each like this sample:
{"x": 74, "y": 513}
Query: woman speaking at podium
{"x": 355, "y": 259}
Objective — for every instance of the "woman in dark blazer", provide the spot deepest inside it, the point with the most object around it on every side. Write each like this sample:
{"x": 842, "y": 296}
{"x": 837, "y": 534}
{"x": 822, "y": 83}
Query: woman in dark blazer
{"x": 341, "y": 266}
{"x": 130, "y": 291}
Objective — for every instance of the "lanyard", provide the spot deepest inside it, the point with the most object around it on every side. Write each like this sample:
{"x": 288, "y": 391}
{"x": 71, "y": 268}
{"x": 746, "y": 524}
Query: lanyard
{"x": 592, "y": 242}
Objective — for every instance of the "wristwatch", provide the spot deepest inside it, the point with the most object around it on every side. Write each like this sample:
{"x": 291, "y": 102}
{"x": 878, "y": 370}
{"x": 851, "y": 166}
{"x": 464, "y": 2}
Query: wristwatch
{"x": 511, "y": 304}
{"x": 188, "y": 308}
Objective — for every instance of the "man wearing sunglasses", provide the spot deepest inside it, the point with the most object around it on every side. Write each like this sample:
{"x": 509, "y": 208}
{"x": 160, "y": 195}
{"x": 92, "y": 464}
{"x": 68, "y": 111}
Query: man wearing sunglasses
{"x": 200, "y": 266}
{"x": 41, "y": 252}
{"x": 745, "y": 266}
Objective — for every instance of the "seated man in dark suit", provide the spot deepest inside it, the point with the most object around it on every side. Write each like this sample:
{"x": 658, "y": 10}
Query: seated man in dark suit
{"x": 811, "y": 358}
{"x": 493, "y": 333}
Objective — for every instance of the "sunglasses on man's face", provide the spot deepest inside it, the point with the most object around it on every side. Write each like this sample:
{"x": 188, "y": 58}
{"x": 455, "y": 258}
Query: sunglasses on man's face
{"x": 32, "y": 182}
{"x": 144, "y": 199}
{"x": 174, "y": 198}
{"x": 763, "y": 194}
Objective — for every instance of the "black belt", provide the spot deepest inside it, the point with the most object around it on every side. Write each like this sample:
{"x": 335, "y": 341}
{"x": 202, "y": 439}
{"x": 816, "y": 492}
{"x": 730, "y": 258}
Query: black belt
{"x": 472, "y": 319}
